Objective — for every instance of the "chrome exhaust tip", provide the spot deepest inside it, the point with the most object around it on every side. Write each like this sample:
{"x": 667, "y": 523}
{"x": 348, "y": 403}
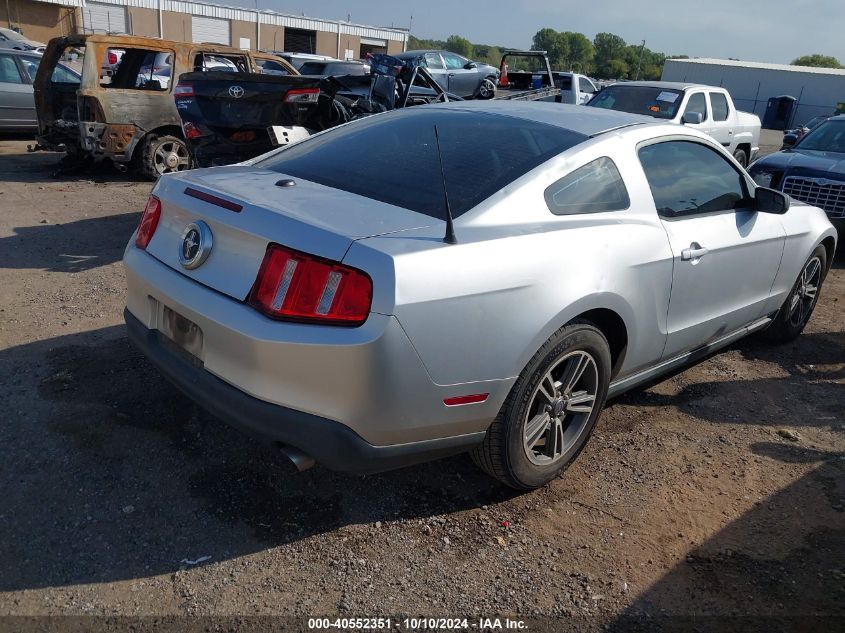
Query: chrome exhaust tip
{"x": 300, "y": 460}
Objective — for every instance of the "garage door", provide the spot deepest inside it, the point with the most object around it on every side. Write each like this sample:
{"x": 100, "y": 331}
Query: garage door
{"x": 104, "y": 18}
{"x": 210, "y": 30}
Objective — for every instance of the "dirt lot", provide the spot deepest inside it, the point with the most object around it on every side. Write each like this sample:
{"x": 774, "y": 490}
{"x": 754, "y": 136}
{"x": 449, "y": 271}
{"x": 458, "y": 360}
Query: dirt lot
{"x": 687, "y": 503}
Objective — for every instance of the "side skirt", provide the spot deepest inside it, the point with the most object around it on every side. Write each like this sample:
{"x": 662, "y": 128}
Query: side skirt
{"x": 647, "y": 375}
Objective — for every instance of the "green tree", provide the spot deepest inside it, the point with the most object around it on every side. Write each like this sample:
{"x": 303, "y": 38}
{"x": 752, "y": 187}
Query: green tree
{"x": 610, "y": 55}
{"x": 487, "y": 54}
{"x": 459, "y": 45}
{"x": 817, "y": 60}
{"x": 581, "y": 52}
{"x": 554, "y": 43}
{"x": 416, "y": 43}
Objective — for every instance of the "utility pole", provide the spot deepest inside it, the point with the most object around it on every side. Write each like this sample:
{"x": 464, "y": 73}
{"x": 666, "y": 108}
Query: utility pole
{"x": 640, "y": 60}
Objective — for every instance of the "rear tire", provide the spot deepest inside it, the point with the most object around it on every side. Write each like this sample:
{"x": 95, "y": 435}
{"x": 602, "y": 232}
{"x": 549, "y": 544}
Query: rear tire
{"x": 551, "y": 410}
{"x": 741, "y": 157}
{"x": 796, "y": 311}
{"x": 163, "y": 154}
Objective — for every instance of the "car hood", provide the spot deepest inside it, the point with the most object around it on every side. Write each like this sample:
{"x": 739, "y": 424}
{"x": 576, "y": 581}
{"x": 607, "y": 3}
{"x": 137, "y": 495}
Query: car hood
{"x": 805, "y": 160}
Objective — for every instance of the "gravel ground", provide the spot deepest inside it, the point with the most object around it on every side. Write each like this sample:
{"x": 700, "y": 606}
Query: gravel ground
{"x": 718, "y": 492}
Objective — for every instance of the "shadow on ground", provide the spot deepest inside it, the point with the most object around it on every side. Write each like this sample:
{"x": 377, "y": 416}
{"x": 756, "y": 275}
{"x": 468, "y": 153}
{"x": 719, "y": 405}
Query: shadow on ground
{"x": 779, "y": 567}
{"x": 809, "y": 395}
{"x": 71, "y": 247}
{"x": 111, "y": 474}
{"x": 23, "y": 166}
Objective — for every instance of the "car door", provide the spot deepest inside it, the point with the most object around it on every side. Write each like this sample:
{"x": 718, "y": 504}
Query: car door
{"x": 437, "y": 69}
{"x": 586, "y": 90}
{"x": 697, "y": 102}
{"x": 721, "y": 127}
{"x": 725, "y": 254}
{"x": 17, "y": 103}
{"x": 462, "y": 81}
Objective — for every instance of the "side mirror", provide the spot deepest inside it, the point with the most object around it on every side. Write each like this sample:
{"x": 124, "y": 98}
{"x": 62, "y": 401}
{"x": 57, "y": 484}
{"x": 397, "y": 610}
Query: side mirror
{"x": 770, "y": 201}
{"x": 471, "y": 66}
{"x": 693, "y": 118}
{"x": 790, "y": 139}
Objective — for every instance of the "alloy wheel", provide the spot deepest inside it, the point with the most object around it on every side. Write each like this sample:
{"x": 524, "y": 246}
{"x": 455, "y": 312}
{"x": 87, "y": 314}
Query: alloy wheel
{"x": 804, "y": 297}
{"x": 560, "y": 407}
{"x": 171, "y": 156}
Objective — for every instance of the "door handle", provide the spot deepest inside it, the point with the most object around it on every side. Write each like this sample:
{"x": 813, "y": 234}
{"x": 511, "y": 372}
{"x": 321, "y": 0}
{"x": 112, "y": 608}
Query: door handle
{"x": 451, "y": 74}
{"x": 694, "y": 252}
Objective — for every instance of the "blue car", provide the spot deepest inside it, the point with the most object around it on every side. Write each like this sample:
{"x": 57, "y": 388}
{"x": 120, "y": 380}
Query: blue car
{"x": 812, "y": 170}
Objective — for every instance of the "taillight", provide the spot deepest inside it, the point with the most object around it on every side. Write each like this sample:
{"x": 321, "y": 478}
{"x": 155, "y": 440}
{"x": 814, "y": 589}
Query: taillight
{"x": 149, "y": 222}
{"x": 302, "y": 95}
{"x": 183, "y": 89}
{"x": 112, "y": 58}
{"x": 191, "y": 131}
{"x": 300, "y": 287}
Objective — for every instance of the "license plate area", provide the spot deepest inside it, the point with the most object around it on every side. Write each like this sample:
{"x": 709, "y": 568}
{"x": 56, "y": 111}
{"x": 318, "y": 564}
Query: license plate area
{"x": 179, "y": 330}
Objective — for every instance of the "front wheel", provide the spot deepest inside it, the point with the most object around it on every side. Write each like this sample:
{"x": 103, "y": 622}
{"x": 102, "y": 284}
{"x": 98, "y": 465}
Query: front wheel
{"x": 795, "y": 312}
{"x": 551, "y": 410}
{"x": 487, "y": 89}
{"x": 741, "y": 157}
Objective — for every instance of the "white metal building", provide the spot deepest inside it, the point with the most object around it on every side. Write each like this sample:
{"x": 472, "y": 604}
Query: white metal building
{"x": 202, "y": 21}
{"x": 751, "y": 84}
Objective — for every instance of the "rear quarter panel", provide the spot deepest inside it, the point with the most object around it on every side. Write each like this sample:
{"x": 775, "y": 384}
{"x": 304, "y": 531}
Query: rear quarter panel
{"x": 479, "y": 310}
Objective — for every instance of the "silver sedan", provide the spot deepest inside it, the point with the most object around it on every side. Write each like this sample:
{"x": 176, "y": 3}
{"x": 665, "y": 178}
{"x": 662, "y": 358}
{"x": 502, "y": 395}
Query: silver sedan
{"x": 462, "y": 277}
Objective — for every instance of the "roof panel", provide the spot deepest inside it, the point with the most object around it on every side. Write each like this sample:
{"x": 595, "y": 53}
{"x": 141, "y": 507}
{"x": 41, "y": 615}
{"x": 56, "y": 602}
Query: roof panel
{"x": 712, "y": 61}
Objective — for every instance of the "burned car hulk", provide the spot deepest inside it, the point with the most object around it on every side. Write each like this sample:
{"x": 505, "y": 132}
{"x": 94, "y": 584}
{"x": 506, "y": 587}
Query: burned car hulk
{"x": 128, "y": 117}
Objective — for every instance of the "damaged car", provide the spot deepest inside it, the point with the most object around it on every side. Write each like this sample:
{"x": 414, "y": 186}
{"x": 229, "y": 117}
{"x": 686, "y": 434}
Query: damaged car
{"x": 231, "y": 117}
{"x": 127, "y": 116}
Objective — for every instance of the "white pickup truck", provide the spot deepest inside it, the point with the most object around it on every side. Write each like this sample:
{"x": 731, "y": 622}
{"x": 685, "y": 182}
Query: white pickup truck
{"x": 574, "y": 88}
{"x": 706, "y": 108}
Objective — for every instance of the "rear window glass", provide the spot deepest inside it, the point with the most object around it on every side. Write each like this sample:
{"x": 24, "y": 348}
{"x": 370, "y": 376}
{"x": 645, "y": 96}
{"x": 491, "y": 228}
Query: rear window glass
{"x": 393, "y": 158}
{"x": 651, "y": 101}
{"x": 595, "y": 187}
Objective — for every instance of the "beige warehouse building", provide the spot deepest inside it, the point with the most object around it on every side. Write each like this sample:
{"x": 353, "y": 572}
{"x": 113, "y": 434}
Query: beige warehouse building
{"x": 42, "y": 20}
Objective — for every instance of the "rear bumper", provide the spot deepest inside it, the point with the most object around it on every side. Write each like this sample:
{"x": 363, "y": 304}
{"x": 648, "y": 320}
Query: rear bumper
{"x": 368, "y": 381}
{"x": 213, "y": 150}
{"x": 330, "y": 443}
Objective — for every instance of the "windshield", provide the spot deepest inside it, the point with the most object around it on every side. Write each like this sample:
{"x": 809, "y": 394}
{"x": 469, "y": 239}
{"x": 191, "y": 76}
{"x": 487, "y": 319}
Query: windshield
{"x": 657, "y": 102}
{"x": 828, "y": 137}
{"x": 393, "y": 157}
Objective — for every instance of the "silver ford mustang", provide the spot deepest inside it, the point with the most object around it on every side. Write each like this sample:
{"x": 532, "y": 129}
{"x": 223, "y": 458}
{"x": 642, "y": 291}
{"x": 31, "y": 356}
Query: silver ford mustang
{"x": 461, "y": 277}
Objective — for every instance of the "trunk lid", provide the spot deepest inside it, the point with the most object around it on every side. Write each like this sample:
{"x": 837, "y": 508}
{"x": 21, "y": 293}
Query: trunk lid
{"x": 229, "y": 102}
{"x": 307, "y": 216}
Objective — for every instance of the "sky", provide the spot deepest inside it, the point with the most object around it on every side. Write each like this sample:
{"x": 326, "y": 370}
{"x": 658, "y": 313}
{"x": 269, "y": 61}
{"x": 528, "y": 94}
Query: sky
{"x": 752, "y": 30}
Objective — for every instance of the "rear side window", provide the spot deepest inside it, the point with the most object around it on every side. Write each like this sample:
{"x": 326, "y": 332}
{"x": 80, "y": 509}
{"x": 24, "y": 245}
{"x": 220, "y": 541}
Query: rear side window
{"x": 719, "y": 103}
{"x": 688, "y": 178}
{"x": 312, "y": 68}
{"x": 393, "y": 157}
{"x": 595, "y": 187}
{"x": 269, "y": 67}
{"x": 134, "y": 68}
